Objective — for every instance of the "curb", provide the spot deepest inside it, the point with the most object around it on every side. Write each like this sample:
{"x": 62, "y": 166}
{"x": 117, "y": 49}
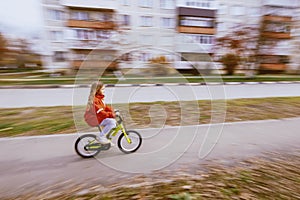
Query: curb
{"x": 146, "y": 85}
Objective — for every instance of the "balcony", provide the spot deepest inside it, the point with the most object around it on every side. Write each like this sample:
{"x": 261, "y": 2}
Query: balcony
{"x": 91, "y": 24}
{"x": 91, "y": 4}
{"x": 277, "y": 51}
{"x": 281, "y": 3}
{"x": 196, "y": 12}
{"x": 276, "y": 35}
{"x": 193, "y": 65}
{"x": 193, "y": 47}
{"x": 196, "y": 30}
{"x": 277, "y": 27}
{"x": 91, "y": 44}
{"x": 273, "y": 18}
{"x": 90, "y": 64}
{"x": 204, "y": 4}
{"x": 275, "y": 66}
{"x": 274, "y": 62}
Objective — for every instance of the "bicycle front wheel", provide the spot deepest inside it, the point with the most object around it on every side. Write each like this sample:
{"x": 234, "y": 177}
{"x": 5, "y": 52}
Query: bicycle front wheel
{"x": 87, "y": 146}
{"x": 130, "y": 144}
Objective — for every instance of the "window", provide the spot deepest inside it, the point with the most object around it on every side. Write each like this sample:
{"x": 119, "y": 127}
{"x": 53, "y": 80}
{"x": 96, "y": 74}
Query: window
{"x": 146, "y": 21}
{"x": 59, "y": 56}
{"x": 104, "y": 16}
{"x": 55, "y": 14}
{"x": 146, "y": 3}
{"x": 82, "y": 34}
{"x": 107, "y": 17}
{"x": 199, "y": 3}
{"x": 79, "y": 15}
{"x": 101, "y": 17}
{"x": 278, "y": 27}
{"x": 103, "y": 35}
{"x": 237, "y": 10}
{"x": 125, "y": 20}
{"x": 70, "y": 34}
{"x": 85, "y": 34}
{"x": 56, "y": 35}
{"x": 199, "y": 38}
{"x": 196, "y": 21}
{"x": 167, "y": 4}
{"x": 167, "y": 22}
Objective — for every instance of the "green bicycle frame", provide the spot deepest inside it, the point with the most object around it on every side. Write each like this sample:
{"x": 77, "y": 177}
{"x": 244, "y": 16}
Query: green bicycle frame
{"x": 118, "y": 128}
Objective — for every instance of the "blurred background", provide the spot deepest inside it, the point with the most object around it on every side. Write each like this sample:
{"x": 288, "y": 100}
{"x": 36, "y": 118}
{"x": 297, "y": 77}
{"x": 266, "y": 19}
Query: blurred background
{"x": 239, "y": 38}
{"x": 51, "y": 50}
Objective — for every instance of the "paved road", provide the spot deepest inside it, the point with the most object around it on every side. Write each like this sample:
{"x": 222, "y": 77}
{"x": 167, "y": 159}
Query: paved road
{"x": 37, "y": 163}
{"x": 78, "y": 96}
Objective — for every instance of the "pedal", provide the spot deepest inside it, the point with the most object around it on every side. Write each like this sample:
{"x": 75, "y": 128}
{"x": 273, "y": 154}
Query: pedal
{"x": 112, "y": 144}
{"x": 105, "y": 146}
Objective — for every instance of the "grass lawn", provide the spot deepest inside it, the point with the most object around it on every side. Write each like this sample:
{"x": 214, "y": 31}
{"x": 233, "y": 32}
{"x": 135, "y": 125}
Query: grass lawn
{"x": 58, "y": 120}
{"x": 41, "y": 79}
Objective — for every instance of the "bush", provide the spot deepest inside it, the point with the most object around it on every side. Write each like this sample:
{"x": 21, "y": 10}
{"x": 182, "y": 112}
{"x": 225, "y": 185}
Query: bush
{"x": 230, "y": 61}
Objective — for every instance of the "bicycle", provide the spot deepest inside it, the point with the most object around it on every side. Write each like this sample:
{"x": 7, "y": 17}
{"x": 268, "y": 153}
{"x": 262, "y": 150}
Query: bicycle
{"x": 129, "y": 141}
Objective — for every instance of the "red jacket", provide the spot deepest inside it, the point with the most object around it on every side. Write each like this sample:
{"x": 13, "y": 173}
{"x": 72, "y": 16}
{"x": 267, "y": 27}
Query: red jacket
{"x": 98, "y": 112}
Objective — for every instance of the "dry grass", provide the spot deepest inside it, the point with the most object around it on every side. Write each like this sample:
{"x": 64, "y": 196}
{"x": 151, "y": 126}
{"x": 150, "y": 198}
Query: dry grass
{"x": 274, "y": 176}
{"x": 57, "y": 120}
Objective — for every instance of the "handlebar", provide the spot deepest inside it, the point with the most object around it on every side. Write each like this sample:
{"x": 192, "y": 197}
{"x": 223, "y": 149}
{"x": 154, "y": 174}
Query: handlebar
{"x": 117, "y": 112}
{"x": 118, "y": 115}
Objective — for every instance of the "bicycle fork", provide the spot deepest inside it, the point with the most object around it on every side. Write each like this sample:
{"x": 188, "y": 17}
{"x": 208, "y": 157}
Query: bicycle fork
{"x": 126, "y": 136}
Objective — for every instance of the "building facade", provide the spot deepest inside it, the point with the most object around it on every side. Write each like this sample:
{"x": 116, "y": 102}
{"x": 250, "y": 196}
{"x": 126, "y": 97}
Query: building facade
{"x": 184, "y": 31}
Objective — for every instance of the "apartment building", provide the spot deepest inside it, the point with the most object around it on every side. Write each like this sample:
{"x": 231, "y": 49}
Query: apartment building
{"x": 279, "y": 18}
{"x": 147, "y": 30}
{"x": 77, "y": 29}
{"x": 184, "y": 31}
{"x": 294, "y": 45}
{"x": 196, "y": 30}
{"x": 56, "y": 52}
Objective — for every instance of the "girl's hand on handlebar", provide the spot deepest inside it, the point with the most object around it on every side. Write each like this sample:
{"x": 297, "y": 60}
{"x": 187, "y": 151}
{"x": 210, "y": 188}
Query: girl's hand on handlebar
{"x": 117, "y": 112}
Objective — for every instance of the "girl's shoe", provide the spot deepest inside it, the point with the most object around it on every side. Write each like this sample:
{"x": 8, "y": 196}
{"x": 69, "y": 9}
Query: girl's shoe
{"x": 103, "y": 140}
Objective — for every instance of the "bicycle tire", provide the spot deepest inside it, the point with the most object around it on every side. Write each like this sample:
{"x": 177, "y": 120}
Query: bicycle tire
{"x": 81, "y": 152}
{"x": 135, "y": 137}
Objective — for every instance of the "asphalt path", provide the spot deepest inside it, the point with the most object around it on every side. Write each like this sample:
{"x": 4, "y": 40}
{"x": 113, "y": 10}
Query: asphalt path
{"x": 38, "y": 164}
{"x": 11, "y": 98}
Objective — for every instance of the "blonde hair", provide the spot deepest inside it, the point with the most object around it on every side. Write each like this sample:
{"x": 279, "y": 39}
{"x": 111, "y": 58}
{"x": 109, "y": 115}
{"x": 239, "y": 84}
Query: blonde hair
{"x": 95, "y": 87}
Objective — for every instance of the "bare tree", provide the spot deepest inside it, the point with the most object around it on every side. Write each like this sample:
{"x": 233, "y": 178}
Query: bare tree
{"x": 243, "y": 46}
{"x": 3, "y": 48}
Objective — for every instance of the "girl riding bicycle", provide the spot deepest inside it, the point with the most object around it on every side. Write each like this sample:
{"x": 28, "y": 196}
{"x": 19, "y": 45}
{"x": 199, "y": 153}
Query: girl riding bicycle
{"x": 98, "y": 113}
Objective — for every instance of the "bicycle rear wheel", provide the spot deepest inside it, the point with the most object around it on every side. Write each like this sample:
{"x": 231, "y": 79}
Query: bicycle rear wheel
{"x": 135, "y": 142}
{"x": 87, "y": 146}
